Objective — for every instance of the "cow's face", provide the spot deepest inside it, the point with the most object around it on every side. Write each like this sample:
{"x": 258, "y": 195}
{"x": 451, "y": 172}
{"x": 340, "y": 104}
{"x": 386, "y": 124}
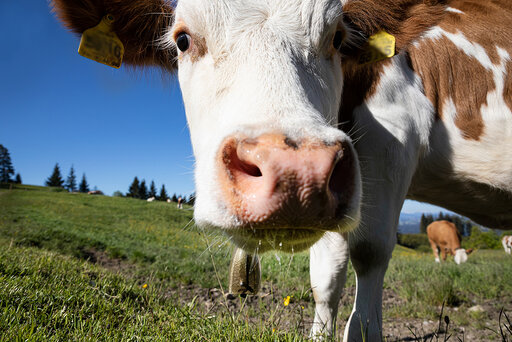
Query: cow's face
{"x": 261, "y": 82}
{"x": 461, "y": 256}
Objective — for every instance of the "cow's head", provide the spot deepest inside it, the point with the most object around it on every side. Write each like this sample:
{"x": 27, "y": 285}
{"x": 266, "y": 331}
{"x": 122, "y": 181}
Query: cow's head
{"x": 261, "y": 82}
{"x": 461, "y": 255}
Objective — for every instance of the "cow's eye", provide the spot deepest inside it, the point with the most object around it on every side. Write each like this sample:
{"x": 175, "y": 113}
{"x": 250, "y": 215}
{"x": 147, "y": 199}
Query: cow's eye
{"x": 337, "y": 40}
{"x": 183, "y": 41}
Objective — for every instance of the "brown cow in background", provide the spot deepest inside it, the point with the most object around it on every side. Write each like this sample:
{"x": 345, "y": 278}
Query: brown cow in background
{"x": 444, "y": 236}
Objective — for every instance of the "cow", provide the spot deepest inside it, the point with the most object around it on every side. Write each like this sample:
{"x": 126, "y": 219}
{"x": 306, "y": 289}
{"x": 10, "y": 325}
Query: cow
{"x": 180, "y": 203}
{"x": 444, "y": 236}
{"x": 506, "y": 242}
{"x": 150, "y": 199}
{"x": 312, "y": 121}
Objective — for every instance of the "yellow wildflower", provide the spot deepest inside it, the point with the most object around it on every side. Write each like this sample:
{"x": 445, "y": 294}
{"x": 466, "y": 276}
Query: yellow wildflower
{"x": 144, "y": 286}
{"x": 287, "y": 301}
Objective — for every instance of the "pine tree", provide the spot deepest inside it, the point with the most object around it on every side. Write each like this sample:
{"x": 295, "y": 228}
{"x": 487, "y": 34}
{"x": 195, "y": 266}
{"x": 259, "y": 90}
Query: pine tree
{"x": 17, "y": 180}
{"x": 143, "y": 190}
{"x": 174, "y": 198}
{"x": 70, "y": 184}
{"x": 163, "y": 194}
{"x": 192, "y": 199}
{"x": 423, "y": 224}
{"x": 83, "y": 186}
{"x": 133, "y": 190}
{"x": 6, "y": 168}
{"x": 55, "y": 179}
{"x": 152, "y": 190}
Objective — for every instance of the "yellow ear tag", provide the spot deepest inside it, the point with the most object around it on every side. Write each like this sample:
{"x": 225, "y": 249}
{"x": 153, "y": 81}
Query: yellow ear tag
{"x": 101, "y": 44}
{"x": 380, "y": 46}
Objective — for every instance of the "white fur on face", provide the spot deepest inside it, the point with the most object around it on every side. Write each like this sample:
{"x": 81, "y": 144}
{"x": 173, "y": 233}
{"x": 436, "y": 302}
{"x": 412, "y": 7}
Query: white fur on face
{"x": 267, "y": 66}
{"x": 460, "y": 256}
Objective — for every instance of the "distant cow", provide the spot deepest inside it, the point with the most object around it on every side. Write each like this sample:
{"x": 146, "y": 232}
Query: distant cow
{"x": 444, "y": 235}
{"x": 506, "y": 241}
{"x": 180, "y": 203}
{"x": 95, "y": 192}
{"x": 151, "y": 199}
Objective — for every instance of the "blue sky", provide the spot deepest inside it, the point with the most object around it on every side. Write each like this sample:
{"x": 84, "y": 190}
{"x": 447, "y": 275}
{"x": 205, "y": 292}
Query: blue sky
{"x": 112, "y": 125}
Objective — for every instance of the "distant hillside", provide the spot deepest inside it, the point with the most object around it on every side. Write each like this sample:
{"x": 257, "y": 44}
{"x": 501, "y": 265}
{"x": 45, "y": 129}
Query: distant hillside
{"x": 409, "y": 223}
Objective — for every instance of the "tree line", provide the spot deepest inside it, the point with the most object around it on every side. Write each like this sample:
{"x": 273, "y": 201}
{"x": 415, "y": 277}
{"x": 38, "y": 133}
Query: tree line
{"x": 70, "y": 183}
{"x": 463, "y": 225}
{"x": 139, "y": 189}
{"x": 6, "y": 168}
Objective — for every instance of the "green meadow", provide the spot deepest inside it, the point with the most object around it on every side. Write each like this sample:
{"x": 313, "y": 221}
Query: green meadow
{"x": 77, "y": 267}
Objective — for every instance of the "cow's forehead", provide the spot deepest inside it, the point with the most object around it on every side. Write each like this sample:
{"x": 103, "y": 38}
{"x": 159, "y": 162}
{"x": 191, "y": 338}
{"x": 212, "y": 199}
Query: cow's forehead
{"x": 225, "y": 21}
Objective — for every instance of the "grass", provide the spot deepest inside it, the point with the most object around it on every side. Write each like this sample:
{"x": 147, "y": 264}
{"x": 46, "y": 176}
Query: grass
{"x": 73, "y": 266}
{"x": 45, "y": 296}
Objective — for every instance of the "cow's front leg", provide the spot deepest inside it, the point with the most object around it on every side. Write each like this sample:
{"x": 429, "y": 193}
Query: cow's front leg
{"x": 328, "y": 268}
{"x": 371, "y": 246}
{"x": 370, "y": 260}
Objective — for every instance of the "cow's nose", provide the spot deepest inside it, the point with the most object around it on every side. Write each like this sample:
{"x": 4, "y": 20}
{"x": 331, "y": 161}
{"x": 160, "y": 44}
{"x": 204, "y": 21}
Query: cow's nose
{"x": 277, "y": 181}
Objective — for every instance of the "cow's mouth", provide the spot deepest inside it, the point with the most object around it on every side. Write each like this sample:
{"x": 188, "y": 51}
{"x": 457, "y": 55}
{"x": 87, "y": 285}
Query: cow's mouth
{"x": 286, "y": 240}
{"x": 262, "y": 238}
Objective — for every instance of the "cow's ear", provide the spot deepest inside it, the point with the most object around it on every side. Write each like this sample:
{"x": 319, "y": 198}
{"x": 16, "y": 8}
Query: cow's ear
{"x": 469, "y": 251}
{"x": 138, "y": 23}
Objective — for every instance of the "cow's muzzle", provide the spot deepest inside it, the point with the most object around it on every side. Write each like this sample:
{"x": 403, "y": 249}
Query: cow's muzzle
{"x": 279, "y": 188}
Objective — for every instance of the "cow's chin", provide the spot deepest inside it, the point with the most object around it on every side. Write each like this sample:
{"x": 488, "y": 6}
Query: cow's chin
{"x": 261, "y": 238}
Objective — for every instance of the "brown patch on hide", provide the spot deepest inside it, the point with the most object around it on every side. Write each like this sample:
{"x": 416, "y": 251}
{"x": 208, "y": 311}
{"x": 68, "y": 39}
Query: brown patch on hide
{"x": 448, "y": 73}
{"x": 507, "y": 90}
{"x": 485, "y": 23}
{"x": 137, "y": 23}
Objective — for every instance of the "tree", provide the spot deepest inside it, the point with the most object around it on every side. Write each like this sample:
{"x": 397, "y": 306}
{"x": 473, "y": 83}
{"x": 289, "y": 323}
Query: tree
{"x": 117, "y": 193}
{"x": 143, "y": 190}
{"x": 6, "y": 168}
{"x": 423, "y": 224}
{"x": 133, "y": 190}
{"x": 192, "y": 199}
{"x": 70, "y": 184}
{"x": 163, "y": 194}
{"x": 174, "y": 198}
{"x": 152, "y": 190}
{"x": 83, "y": 187}
{"x": 55, "y": 179}
{"x": 17, "y": 180}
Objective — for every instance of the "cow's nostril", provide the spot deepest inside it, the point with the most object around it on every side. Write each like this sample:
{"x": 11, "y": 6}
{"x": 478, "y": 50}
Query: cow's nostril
{"x": 250, "y": 169}
{"x": 237, "y": 165}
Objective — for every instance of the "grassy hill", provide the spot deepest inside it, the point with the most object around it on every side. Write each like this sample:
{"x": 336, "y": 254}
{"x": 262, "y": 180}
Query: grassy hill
{"x": 82, "y": 267}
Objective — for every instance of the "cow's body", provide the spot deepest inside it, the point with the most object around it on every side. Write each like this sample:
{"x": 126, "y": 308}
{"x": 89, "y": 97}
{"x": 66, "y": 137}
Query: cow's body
{"x": 433, "y": 123}
{"x": 506, "y": 242}
{"x": 444, "y": 236}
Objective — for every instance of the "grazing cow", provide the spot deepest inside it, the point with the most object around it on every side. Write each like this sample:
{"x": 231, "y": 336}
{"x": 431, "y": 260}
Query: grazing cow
{"x": 444, "y": 236}
{"x": 506, "y": 241}
{"x": 95, "y": 192}
{"x": 309, "y": 118}
{"x": 151, "y": 199}
{"x": 180, "y": 203}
